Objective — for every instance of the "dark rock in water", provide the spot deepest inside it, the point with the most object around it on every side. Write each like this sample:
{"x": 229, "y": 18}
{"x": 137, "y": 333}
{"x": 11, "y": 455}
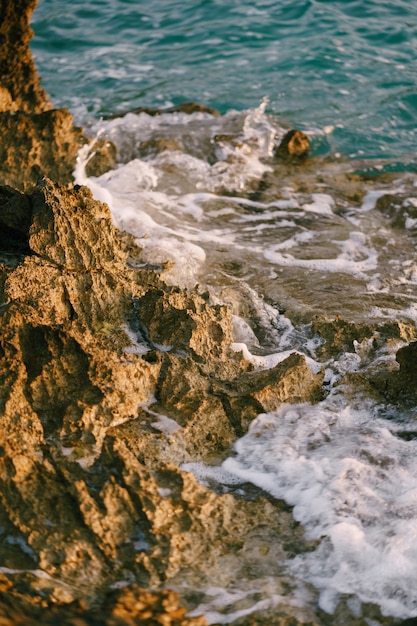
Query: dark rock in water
{"x": 339, "y": 335}
{"x": 294, "y": 147}
{"x": 152, "y": 147}
{"x": 407, "y": 358}
{"x": 397, "y": 385}
{"x": 184, "y": 107}
{"x": 399, "y": 208}
{"x": 193, "y": 107}
{"x": 101, "y": 158}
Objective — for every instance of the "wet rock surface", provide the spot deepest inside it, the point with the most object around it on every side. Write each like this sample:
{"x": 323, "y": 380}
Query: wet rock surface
{"x": 125, "y": 607}
{"x": 91, "y": 490}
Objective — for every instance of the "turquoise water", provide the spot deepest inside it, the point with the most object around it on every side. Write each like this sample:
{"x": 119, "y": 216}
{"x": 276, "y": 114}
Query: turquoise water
{"x": 347, "y": 64}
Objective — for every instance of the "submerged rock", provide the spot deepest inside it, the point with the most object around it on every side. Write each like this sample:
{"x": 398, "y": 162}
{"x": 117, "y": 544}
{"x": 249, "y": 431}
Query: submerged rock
{"x": 185, "y": 107}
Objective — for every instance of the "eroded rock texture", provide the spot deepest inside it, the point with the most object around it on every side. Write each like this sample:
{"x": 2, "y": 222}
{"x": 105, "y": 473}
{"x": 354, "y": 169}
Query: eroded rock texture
{"x": 19, "y": 81}
{"x": 37, "y": 144}
{"x": 109, "y": 381}
{"x": 36, "y": 140}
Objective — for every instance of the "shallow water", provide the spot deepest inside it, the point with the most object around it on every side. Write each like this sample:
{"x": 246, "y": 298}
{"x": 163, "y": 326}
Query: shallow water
{"x": 209, "y": 204}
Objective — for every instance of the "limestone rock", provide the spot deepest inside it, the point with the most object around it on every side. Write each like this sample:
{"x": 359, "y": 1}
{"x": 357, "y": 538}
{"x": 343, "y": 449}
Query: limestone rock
{"x": 128, "y": 606}
{"x": 15, "y": 220}
{"x": 19, "y": 82}
{"x": 38, "y": 144}
{"x": 35, "y": 140}
{"x": 262, "y": 391}
{"x": 186, "y": 322}
{"x": 92, "y": 351}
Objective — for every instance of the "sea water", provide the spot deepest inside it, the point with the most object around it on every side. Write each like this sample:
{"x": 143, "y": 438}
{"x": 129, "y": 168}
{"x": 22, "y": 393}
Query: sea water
{"x": 345, "y": 64}
{"x": 277, "y": 243}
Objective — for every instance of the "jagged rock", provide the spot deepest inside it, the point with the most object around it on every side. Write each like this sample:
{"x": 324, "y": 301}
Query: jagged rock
{"x": 187, "y": 323}
{"x": 38, "y": 144}
{"x": 19, "y": 81}
{"x": 90, "y": 488}
{"x": 128, "y": 606}
{"x": 35, "y": 140}
{"x": 340, "y": 336}
{"x": 15, "y": 220}
{"x": 262, "y": 391}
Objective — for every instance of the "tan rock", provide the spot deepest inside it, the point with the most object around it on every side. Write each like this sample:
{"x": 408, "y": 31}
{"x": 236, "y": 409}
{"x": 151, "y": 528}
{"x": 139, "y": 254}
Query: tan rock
{"x": 90, "y": 486}
{"x": 19, "y": 80}
{"x": 38, "y": 144}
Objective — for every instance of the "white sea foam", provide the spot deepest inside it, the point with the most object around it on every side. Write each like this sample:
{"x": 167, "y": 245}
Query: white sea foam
{"x": 163, "y": 423}
{"x": 217, "y": 608}
{"x": 322, "y": 203}
{"x": 351, "y": 479}
{"x": 271, "y": 360}
{"x": 162, "y": 199}
{"x": 353, "y": 485}
{"x": 181, "y": 188}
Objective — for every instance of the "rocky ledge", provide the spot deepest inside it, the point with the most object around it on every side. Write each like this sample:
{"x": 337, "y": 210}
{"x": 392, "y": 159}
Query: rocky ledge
{"x": 110, "y": 380}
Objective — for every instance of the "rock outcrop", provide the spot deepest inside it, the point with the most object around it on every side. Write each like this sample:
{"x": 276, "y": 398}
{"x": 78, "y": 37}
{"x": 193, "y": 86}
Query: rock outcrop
{"x": 20, "y": 88}
{"x": 36, "y": 140}
{"x": 37, "y": 144}
{"x": 109, "y": 381}
{"x": 128, "y": 606}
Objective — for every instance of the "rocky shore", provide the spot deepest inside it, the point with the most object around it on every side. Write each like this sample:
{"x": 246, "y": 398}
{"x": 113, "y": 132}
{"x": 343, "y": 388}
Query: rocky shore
{"x": 110, "y": 380}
